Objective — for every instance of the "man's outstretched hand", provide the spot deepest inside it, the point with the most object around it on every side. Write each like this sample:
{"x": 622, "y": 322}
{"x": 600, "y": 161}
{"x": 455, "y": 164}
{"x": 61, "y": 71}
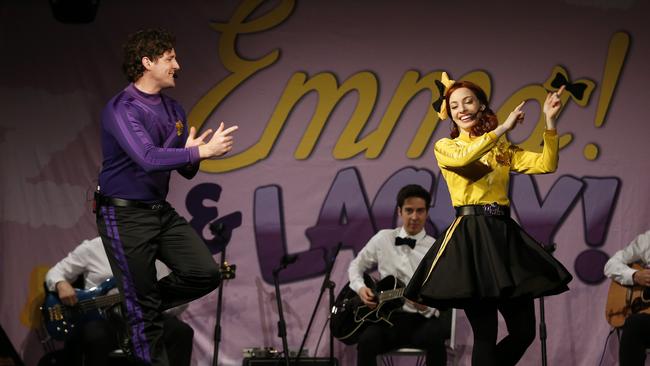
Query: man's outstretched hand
{"x": 220, "y": 143}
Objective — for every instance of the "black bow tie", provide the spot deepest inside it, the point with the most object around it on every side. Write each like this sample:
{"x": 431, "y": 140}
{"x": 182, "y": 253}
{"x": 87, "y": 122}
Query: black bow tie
{"x": 405, "y": 241}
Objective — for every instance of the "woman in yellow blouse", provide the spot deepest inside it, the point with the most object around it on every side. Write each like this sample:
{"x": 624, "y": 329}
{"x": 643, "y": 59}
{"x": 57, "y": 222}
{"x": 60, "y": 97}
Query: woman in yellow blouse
{"x": 485, "y": 262}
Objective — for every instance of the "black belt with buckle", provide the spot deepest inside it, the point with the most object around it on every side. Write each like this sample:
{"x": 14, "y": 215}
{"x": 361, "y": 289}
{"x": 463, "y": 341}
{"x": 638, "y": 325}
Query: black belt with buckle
{"x": 491, "y": 209}
{"x": 120, "y": 202}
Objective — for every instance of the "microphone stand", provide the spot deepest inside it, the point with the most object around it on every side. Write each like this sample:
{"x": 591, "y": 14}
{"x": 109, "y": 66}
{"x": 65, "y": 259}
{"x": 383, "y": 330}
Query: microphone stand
{"x": 542, "y": 319}
{"x": 542, "y": 330}
{"x": 282, "y": 328}
{"x": 327, "y": 284}
{"x": 330, "y": 287}
{"x": 227, "y": 273}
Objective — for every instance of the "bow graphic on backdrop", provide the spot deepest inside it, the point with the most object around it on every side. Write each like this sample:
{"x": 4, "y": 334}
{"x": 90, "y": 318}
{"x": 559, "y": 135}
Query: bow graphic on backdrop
{"x": 580, "y": 90}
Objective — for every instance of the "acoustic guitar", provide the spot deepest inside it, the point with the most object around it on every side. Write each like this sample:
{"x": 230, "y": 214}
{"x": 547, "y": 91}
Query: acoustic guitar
{"x": 623, "y": 301}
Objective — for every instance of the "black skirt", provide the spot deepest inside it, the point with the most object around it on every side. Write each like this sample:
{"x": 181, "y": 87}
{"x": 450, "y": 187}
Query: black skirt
{"x": 485, "y": 258}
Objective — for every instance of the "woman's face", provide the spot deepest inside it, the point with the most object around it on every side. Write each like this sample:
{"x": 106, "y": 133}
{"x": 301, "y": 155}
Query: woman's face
{"x": 464, "y": 108}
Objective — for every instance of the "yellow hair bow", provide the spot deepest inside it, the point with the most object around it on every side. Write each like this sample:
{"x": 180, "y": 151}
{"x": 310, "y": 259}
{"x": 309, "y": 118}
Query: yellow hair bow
{"x": 443, "y": 85}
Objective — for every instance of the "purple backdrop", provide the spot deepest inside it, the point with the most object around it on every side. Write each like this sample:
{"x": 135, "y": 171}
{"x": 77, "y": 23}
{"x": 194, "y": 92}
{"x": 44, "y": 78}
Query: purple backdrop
{"x": 333, "y": 103}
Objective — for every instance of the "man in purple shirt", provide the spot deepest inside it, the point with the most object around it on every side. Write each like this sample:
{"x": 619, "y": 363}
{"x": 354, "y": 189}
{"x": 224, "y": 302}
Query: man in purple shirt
{"x": 144, "y": 137}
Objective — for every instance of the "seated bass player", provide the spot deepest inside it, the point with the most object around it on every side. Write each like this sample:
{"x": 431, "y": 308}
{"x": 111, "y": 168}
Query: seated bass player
{"x": 94, "y": 339}
{"x": 636, "y": 329}
{"x": 397, "y": 253}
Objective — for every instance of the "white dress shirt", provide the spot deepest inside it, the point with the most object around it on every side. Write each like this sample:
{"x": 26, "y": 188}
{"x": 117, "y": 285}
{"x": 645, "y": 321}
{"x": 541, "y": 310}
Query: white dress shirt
{"x": 89, "y": 259}
{"x": 617, "y": 267}
{"x": 399, "y": 261}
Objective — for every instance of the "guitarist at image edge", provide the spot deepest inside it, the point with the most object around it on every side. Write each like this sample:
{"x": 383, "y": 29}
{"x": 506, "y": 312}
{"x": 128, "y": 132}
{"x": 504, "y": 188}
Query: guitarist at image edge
{"x": 631, "y": 301}
{"x": 397, "y": 252}
{"x": 90, "y": 341}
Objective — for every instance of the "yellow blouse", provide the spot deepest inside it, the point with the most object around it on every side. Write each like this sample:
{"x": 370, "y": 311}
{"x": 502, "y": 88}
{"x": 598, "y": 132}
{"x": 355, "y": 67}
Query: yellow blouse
{"x": 477, "y": 170}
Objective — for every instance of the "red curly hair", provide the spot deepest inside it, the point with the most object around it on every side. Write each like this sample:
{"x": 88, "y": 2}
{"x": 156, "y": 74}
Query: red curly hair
{"x": 487, "y": 120}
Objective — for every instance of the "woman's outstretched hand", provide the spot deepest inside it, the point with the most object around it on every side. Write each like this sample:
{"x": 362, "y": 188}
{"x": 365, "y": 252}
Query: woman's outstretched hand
{"x": 552, "y": 106}
{"x": 516, "y": 116}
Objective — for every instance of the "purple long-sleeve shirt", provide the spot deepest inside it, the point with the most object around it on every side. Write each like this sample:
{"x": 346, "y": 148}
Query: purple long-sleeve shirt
{"x": 143, "y": 138}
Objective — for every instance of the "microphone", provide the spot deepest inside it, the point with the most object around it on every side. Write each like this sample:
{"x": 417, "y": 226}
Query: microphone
{"x": 550, "y": 248}
{"x": 216, "y": 228}
{"x": 285, "y": 261}
{"x": 475, "y": 115}
{"x": 221, "y": 236}
{"x": 479, "y": 114}
{"x": 175, "y": 75}
{"x": 288, "y": 259}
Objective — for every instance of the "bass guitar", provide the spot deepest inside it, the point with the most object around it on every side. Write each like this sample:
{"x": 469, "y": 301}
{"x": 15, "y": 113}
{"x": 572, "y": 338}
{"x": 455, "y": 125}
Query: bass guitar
{"x": 623, "y": 301}
{"x": 61, "y": 320}
{"x": 349, "y": 315}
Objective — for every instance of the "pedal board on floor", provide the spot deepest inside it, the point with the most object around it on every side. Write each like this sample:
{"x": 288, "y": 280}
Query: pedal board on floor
{"x": 260, "y": 352}
{"x": 279, "y": 361}
{"x": 267, "y": 356}
{"x": 270, "y": 352}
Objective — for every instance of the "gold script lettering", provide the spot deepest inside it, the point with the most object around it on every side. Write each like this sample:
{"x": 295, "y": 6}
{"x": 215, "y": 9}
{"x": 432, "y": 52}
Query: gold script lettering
{"x": 241, "y": 70}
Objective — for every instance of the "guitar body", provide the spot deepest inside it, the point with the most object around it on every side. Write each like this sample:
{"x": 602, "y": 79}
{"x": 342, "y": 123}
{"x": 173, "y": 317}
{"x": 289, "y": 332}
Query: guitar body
{"x": 623, "y": 301}
{"x": 350, "y": 316}
{"x": 61, "y": 320}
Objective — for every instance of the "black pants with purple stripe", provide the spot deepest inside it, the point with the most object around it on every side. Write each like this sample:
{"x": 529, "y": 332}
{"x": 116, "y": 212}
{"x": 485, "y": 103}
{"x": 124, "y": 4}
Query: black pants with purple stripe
{"x": 133, "y": 239}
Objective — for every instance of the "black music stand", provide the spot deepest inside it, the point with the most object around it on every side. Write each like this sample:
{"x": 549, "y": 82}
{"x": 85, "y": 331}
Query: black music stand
{"x": 327, "y": 284}
{"x": 227, "y": 273}
{"x": 286, "y": 260}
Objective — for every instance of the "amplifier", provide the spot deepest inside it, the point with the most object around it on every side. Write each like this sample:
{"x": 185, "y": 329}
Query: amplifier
{"x": 279, "y": 361}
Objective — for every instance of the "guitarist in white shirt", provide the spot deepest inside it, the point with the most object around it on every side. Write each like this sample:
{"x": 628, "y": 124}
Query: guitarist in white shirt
{"x": 97, "y": 338}
{"x": 414, "y": 325}
{"x": 636, "y": 330}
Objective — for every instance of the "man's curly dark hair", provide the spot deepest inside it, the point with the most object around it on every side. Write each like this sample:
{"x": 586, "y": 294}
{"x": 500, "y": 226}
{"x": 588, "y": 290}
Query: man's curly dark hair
{"x": 151, "y": 43}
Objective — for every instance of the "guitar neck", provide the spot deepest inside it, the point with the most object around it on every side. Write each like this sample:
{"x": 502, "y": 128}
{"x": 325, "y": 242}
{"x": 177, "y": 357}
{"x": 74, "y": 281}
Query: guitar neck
{"x": 391, "y": 294}
{"x": 100, "y": 301}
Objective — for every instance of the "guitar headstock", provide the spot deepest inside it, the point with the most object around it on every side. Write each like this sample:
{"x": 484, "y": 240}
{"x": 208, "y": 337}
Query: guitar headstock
{"x": 228, "y": 271}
